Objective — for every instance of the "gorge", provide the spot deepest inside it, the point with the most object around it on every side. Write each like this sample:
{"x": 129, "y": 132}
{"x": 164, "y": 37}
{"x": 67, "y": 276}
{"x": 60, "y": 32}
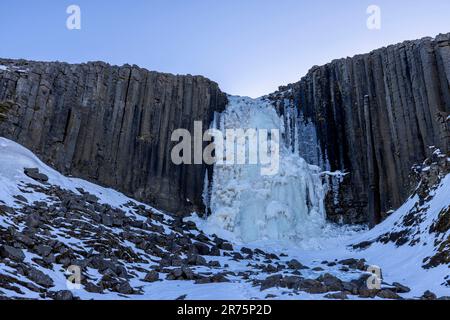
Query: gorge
{"x": 372, "y": 116}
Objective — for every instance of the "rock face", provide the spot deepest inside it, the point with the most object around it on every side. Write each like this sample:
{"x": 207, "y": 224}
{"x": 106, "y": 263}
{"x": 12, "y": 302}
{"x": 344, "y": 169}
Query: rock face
{"x": 376, "y": 115}
{"x": 111, "y": 125}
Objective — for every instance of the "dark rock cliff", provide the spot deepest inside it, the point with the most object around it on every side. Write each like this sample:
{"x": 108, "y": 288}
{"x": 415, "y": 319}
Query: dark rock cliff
{"x": 108, "y": 124}
{"x": 376, "y": 115}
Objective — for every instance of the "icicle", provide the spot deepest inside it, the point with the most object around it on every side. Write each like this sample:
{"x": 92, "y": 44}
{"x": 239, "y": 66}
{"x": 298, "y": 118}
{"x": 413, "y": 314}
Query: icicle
{"x": 288, "y": 205}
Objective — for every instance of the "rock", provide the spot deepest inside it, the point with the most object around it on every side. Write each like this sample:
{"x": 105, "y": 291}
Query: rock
{"x": 365, "y": 292}
{"x": 214, "y": 264}
{"x": 202, "y": 248}
{"x": 399, "y": 288}
{"x": 183, "y": 273}
{"x": 107, "y": 220}
{"x": 354, "y": 264}
{"x": 219, "y": 278}
{"x": 24, "y": 239}
{"x": 388, "y": 294}
{"x": 272, "y": 256}
{"x": 351, "y": 287}
{"x": 176, "y": 262}
{"x": 139, "y": 107}
{"x": 428, "y": 295}
{"x": 188, "y": 273}
{"x": 312, "y": 286}
{"x": 331, "y": 282}
{"x": 215, "y": 251}
{"x": 377, "y": 91}
{"x": 226, "y": 246}
{"x": 90, "y": 287}
{"x": 337, "y": 296}
{"x": 151, "y": 276}
{"x": 124, "y": 288}
{"x": 270, "y": 282}
{"x": 21, "y": 198}
{"x": 203, "y": 280}
{"x": 245, "y": 250}
{"x": 270, "y": 269}
{"x": 291, "y": 282}
{"x": 43, "y": 250}
{"x": 196, "y": 260}
{"x": 238, "y": 256}
{"x": 64, "y": 295}
{"x": 39, "y": 277}
{"x": 102, "y": 264}
{"x": 12, "y": 253}
{"x": 34, "y": 174}
{"x": 182, "y": 297}
{"x": 318, "y": 269}
{"x": 295, "y": 265}
{"x": 33, "y": 221}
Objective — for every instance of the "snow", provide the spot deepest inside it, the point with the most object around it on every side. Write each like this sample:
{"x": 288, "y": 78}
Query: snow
{"x": 13, "y": 68}
{"x": 405, "y": 262}
{"x": 14, "y": 158}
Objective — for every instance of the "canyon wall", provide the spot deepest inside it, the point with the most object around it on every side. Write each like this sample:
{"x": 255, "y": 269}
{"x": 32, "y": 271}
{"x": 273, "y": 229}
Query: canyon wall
{"x": 376, "y": 116}
{"x": 110, "y": 125}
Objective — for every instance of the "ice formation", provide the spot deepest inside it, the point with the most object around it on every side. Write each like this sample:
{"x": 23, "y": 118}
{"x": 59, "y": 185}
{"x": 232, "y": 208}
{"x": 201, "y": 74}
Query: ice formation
{"x": 286, "y": 206}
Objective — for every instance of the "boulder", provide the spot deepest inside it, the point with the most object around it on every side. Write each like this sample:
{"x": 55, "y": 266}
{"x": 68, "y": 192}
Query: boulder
{"x": 151, "y": 276}
{"x": 12, "y": 253}
{"x": 34, "y": 174}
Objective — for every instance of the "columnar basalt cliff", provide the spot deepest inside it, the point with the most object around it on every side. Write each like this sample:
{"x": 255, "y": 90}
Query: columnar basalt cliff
{"x": 376, "y": 116}
{"x": 111, "y": 125}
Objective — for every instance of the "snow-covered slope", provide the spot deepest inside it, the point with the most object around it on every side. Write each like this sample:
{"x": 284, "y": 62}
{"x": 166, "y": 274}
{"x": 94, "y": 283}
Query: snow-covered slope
{"x": 127, "y": 250}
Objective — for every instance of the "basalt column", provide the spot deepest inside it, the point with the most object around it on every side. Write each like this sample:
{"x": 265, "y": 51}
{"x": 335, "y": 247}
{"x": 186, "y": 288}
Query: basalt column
{"x": 376, "y": 116}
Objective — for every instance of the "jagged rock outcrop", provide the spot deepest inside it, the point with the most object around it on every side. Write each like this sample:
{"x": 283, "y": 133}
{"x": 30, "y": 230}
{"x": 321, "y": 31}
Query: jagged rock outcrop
{"x": 108, "y": 124}
{"x": 376, "y": 116}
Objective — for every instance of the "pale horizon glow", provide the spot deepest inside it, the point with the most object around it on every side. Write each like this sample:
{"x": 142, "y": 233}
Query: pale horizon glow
{"x": 248, "y": 47}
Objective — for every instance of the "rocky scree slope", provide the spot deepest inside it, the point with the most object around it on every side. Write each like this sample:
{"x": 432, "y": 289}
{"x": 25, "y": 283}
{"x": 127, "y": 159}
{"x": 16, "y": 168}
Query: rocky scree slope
{"x": 128, "y": 250}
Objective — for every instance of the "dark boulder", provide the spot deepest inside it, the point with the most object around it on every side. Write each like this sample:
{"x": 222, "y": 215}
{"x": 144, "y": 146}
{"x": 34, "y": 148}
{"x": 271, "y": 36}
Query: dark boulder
{"x": 34, "y": 174}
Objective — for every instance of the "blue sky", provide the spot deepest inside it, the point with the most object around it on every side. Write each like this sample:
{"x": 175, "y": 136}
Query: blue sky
{"x": 249, "y": 47}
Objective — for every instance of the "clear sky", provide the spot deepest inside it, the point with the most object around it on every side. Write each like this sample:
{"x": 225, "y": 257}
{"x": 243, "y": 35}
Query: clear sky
{"x": 249, "y": 47}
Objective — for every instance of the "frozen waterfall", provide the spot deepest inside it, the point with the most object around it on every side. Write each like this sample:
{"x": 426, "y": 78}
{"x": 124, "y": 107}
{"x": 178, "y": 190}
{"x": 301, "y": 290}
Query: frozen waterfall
{"x": 286, "y": 206}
